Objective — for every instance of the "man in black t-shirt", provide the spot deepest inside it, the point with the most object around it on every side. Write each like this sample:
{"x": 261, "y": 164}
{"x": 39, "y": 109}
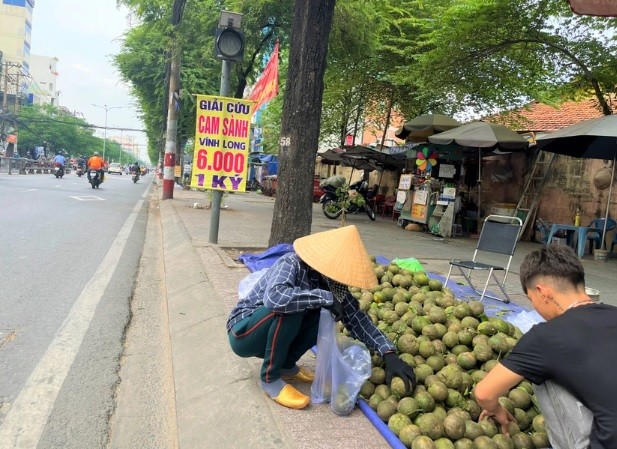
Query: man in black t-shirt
{"x": 571, "y": 359}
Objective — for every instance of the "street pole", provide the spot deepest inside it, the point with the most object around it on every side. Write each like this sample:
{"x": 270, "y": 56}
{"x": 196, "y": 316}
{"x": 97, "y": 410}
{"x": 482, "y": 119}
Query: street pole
{"x": 173, "y": 105}
{"x": 107, "y": 109}
{"x": 16, "y": 112}
{"x": 217, "y": 195}
{"x": 121, "y": 146}
{"x": 172, "y": 127}
{"x": 105, "y": 132}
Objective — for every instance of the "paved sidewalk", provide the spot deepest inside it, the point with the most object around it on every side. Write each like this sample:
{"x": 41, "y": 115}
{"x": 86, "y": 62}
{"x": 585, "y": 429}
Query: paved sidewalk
{"x": 218, "y": 400}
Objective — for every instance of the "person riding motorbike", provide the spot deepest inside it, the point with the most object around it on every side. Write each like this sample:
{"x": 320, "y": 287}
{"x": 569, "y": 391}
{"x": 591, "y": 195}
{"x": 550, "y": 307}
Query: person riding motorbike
{"x": 60, "y": 161}
{"x": 135, "y": 170}
{"x": 81, "y": 165}
{"x": 96, "y": 163}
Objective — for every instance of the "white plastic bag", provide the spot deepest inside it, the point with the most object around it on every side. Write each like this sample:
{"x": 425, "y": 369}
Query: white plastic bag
{"x": 343, "y": 365}
{"x": 247, "y": 283}
{"x": 525, "y": 320}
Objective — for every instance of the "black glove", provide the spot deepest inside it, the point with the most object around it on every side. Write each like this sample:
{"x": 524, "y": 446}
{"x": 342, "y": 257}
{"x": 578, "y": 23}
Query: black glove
{"x": 396, "y": 367}
{"x": 336, "y": 308}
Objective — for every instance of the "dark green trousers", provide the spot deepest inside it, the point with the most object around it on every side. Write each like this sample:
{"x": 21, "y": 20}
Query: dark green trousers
{"x": 279, "y": 339}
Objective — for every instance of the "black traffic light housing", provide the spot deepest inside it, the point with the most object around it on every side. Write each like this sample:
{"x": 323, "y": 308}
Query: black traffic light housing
{"x": 229, "y": 44}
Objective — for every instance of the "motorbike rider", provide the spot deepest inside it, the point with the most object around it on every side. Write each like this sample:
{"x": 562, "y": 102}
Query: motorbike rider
{"x": 60, "y": 161}
{"x": 97, "y": 164}
{"x": 81, "y": 162}
{"x": 135, "y": 168}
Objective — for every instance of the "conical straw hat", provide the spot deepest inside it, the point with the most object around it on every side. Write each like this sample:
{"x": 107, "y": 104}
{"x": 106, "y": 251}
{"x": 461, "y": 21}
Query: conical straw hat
{"x": 338, "y": 254}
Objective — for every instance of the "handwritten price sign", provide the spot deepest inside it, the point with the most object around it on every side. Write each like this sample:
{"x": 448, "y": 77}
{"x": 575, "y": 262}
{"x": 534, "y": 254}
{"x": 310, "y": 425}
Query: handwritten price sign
{"x": 220, "y": 159}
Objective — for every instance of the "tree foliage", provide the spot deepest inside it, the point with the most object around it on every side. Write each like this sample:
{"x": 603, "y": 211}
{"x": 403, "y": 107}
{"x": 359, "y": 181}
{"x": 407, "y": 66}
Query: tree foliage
{"x": 413, "y": 56}
{"x": 56, "y": 130}
{"x": 144, "y": 59}
{"x": 502, "y": 53}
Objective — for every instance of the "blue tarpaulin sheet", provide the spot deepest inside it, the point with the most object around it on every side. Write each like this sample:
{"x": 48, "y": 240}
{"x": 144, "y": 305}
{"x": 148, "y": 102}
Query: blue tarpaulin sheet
{"x": 492, "y": 307}
{"x": 257, "y": 261}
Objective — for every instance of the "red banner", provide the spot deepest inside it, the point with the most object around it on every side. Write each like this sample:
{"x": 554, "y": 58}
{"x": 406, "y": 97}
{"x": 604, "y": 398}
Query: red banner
{"x": 607, "y": 8}
{"x": 267, "y": 86}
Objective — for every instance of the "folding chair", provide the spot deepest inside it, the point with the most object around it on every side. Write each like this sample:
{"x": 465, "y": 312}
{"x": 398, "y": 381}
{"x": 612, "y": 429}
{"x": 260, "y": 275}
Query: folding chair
{"x": 499, "y": 235}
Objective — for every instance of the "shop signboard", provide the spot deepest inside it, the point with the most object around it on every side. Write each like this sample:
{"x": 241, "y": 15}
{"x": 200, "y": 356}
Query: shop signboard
{"x": 419, "y": 208}
{"x": 222, "y": 143}
{"x": 404, "y": 182}
{"x": 418, "y": 212}
{"x": 447, "y": 171}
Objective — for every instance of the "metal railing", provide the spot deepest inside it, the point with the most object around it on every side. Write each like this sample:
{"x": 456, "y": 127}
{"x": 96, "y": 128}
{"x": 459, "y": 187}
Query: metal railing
{"x": 24, "y": 166}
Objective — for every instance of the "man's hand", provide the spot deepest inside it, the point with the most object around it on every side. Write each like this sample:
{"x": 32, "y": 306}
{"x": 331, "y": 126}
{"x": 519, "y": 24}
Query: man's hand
{"x": 396, "y": 367}
{"x": 336, "y": 308}
{"x": 502, "y": 416}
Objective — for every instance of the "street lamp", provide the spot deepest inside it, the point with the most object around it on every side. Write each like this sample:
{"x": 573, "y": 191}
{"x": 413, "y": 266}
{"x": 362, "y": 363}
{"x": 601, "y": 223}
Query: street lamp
{"x": 107, "y": 108}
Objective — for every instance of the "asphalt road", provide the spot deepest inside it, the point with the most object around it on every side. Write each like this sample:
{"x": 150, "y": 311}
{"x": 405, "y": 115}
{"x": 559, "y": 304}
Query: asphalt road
{"x": 69, "y": 258}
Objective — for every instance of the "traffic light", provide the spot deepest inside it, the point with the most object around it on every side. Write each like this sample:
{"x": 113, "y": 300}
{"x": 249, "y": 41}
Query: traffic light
{"x": 229, "y": 44}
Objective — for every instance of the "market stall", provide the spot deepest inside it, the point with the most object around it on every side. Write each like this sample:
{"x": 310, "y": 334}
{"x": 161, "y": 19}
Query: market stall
{"x": 428, "y": 194}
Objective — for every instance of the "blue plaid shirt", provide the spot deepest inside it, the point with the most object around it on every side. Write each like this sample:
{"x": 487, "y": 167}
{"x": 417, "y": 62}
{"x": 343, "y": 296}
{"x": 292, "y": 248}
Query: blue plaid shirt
{"x": 291, "y": 286}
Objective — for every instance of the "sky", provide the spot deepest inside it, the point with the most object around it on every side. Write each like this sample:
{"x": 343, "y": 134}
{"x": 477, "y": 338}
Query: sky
{"x": 83, "y": 35}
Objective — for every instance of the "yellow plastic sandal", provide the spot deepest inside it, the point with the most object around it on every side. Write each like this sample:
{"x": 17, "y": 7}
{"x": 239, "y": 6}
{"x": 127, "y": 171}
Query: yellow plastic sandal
{"x": 303, "y": 375}
{"x": 292, "y": 398}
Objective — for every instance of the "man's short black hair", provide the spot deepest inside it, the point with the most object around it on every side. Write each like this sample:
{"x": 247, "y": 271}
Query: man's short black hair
{"x": 555, "y": 261}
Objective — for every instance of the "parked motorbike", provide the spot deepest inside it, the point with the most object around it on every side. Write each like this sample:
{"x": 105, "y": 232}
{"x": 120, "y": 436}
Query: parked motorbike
{"x": 135, "y": 176}
{"x": 58, "y": 171}
{"x": 94, "y": 178}
{"x": 331, "y": 203}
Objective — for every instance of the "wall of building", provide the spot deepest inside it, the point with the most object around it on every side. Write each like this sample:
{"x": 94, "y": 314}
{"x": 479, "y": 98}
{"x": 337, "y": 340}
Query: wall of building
{"x": 43, "y": 69}
{"x": 568, "y": 188}
{"x": 15, "y": 31}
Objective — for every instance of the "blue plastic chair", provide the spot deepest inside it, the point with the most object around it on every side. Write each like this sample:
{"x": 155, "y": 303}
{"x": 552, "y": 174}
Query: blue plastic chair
{"x": 613, "y": 244}
{"x": 595, "y": 238}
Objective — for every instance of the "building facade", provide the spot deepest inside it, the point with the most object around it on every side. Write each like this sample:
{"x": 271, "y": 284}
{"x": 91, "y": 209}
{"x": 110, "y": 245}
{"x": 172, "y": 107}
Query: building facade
{"x": 42, "y": 88}
{"x": 16, "y": 31}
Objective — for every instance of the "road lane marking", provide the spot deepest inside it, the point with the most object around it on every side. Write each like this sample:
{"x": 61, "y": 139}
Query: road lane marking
{"x": 32, "y": 190}
{"x": 88, "y": 198}
{"x": 27, "y": 417}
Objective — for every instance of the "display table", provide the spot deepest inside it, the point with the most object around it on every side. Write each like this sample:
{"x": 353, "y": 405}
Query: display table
{"x": 571, "y": 230}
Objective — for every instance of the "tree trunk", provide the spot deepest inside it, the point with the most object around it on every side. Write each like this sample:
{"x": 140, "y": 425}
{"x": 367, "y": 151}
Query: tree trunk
{"x": 301, "y": 120}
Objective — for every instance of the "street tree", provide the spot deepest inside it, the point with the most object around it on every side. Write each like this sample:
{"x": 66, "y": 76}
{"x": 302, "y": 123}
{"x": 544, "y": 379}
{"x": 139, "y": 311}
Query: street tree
{"x": 145, "y": 55}
{"x": 504, "y": 53}
{"x": 54, "y": 129}
{"x": 300, "y": 123}
{"x": 349, "y": 74}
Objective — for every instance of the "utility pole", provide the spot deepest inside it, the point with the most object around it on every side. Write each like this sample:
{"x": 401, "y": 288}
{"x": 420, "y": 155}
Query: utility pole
{"x": 173, "y": 106}
{"x": 5, "y": 97}
{"x": 6, "y": 86}
{"x": 107, "y": 109}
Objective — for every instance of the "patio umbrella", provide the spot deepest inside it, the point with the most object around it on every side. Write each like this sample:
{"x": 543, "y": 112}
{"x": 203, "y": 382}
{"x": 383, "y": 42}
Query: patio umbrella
{"x": 592, "y": 139}
{"x": 483, "y": 136}
{"x": 381, "y": 159}
{"x": 422, "y": 126}
{"x": 330, "y": 157}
